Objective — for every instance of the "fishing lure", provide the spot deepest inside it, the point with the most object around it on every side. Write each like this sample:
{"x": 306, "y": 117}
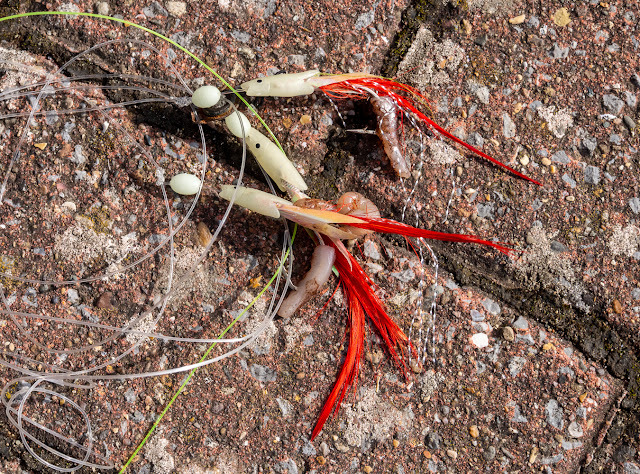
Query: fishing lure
{"x": 212, "y": 106}
{"x": 387, "y": 130}
{"x": 351, "y": 216}
{"x": 390, "y": 99}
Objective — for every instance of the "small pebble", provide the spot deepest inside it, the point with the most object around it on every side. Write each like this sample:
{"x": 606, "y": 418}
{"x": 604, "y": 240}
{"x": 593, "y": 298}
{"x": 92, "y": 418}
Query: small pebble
{"x": 575, "y": 430}
{"x": 561, "y": 17}
{"x": 395, "y": 443}
{"x": 321, "y": 460}
{"x": 324, "y": 449}
{"x": 452, "y": 454}
{"x": 102, "y": 8}
{"x": 343, "y": 448}
{"x": 367, "y": 469}
{"x": 612, "y": 104}
{"x": 592, "y": 175}
{"x": 517, "y": 20}
{"x": 617, "y": 307}
{"x": 374, "y": 357}
{"x": 508, "y": 333}
{"x": 546, "y": 161}
{"x": 548, "y": 346}
{"x": 588, "y": 145}
{"x": 203, "y": 234}
{"x": 12, "y": 347}
{"x": 480, "y": 340}
{"x": 521, "y": 323}
{"x": 105, "y": 300}
{"x": 177, "y": 8}
{"x": 629, "y": 123}
{"x": 489, "y": 453}
{"x": 466, "y": 25}
{"x": 473, "y": 431}
{"x": 481, "y": 40}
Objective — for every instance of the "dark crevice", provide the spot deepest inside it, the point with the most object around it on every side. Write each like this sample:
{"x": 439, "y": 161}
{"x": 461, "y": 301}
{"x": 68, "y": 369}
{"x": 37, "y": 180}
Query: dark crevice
{"x": 439, "y": 17}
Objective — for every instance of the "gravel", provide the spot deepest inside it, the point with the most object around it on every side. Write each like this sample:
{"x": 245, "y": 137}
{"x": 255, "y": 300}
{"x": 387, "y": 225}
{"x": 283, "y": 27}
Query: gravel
{"x": 262, "y": 373}
{"x": 588, "y": 145}
{"x": 560, "y": 157}
{"x": 592, "y": 175}
{"x": 491, "y": 306}
{"x": 555, "y": 414}
{"x": 508, "y": 127}
{"x": 516, "y": 364}
{"x": 518, "y": 417}
{"x": 521, "y": 323}
{"x": 612, "y": 104}
{"x": 559, "y": 53}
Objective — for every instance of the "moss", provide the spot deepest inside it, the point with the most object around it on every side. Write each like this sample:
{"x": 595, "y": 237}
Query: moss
{"x": 432, "y": 12}
{"x": 8, "y": 266}
{"x": 103, "y": 144}
{"x": 483, "y": 70}
{"x": 9, "y": 7}
{"x": 98, "y": 219}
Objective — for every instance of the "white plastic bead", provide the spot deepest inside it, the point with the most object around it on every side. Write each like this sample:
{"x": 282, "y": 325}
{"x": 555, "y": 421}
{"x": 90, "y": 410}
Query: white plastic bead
{"x": 233, "y": 124}
{"x": 206, "y": 96}
{"x": 185, "y": 184}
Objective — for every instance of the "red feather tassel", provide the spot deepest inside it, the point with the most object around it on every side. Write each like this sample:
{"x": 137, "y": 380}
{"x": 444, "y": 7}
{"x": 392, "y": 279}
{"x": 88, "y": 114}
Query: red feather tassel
{"x": 386, "y": 87}
{"x": 359, "y": 292}
{"x": 388, "y": 226}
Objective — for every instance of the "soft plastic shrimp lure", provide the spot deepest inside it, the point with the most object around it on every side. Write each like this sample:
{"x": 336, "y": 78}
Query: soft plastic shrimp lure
{"x": 351, "y": 216}
{"x": 389, "y": 98}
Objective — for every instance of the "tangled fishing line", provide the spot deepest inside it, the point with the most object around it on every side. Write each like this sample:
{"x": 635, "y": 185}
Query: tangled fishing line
{"x": 112, "y": 206}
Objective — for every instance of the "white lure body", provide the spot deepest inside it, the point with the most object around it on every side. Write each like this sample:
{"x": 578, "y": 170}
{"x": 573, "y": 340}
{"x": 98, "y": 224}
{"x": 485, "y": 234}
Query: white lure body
{"x": 254, "y": 200}
{"x": 281, "y": 85}
{"x": 274, "y": 161}
{"x": 185, "y": 184}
